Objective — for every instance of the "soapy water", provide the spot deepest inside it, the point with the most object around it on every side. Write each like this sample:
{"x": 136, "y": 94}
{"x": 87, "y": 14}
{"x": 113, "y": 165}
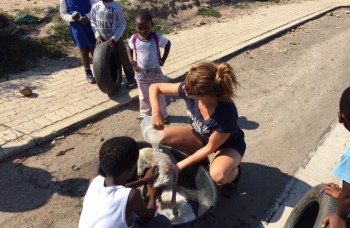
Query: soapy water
{"x": 185, "y": 210}
{"x": 150, "y": 134}
{"x": 154, "y": 137}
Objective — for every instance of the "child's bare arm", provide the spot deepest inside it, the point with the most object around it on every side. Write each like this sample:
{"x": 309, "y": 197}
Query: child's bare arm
{"x": 166, "y": 51}
{"x": 149, "y": 177}
{"x": 136, "y": 184}
{"x": 337, "y": 218}
{"x": 332, "y": 190}
{"x": 64, "y": 12}
{"x": 131, "y": 59}
{"x": 344, "y": 201}
{"x": 137, "y": 205}
{"x": 130, "y": 54}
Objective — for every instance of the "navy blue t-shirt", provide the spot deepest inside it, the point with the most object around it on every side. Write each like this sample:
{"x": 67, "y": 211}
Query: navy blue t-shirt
{"x": 223, "y": 120}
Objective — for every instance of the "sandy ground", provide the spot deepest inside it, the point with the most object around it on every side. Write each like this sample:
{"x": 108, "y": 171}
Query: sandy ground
{"x": 14, "y": 6}
{"x": 289, "y": 95}
{"x": 185, "y": 18}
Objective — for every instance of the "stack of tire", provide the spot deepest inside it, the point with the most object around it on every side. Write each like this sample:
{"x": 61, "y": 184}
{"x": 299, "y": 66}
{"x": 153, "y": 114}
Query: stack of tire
{"x": 107, "y": 69}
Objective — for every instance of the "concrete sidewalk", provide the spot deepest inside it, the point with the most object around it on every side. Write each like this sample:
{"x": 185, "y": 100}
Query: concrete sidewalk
{"x": 64, "y": 98}
{"x": 318, "y": 169}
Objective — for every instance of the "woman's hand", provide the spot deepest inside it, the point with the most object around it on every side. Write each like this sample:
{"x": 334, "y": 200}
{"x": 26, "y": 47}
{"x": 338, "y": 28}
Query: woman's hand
{"x": 332, "y": 190}
{"x": 150, "y": 175}
{"x": 158, "y": 121}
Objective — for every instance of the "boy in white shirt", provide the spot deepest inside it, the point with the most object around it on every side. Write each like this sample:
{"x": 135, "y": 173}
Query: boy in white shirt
{"x": 110, "y": 201}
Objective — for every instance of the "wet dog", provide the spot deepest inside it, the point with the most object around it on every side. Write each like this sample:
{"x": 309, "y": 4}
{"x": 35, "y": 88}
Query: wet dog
{"x": 165, "y": 181}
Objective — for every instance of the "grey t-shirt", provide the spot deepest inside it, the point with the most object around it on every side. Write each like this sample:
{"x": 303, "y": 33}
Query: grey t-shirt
{"x": 107, "y": 20}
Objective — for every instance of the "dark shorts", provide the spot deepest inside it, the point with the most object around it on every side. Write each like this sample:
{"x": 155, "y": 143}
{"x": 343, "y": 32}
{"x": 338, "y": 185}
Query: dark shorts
{"x": 239, "y": 147}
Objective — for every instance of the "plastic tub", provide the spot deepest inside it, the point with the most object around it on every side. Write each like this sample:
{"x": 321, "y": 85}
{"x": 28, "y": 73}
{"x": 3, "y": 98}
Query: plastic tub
{"x": 194, "y": 177}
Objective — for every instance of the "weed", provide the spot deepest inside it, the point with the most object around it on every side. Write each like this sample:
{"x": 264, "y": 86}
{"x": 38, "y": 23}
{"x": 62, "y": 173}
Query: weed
{"x": 130, "y": 25}
{"x": 36, "y": 11}
{"x": 157, "y": 27}
{"x": 60, "y": 29}
{"x": 19, "y": 53}
{"x": 16, "y": 54}
{"x": 125, "y": 3}
{"x": 274, "y": 1}
{"x": 241, "y": 5}
{"x": 208, "y": 12}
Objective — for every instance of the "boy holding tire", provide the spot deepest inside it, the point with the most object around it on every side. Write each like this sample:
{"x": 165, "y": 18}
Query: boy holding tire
{"x": 108, "y": 24}
{"x": 338, "y": 218}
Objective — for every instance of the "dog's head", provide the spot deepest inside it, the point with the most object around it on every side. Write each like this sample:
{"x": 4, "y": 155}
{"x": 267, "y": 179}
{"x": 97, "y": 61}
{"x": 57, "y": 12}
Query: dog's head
{"x": 145, "y": 160}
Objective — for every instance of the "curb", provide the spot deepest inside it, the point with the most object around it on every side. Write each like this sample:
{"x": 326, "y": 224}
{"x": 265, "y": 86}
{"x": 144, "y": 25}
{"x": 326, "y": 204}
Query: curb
{"x": 336, "y": 140}
{"x": 26, "y": 142}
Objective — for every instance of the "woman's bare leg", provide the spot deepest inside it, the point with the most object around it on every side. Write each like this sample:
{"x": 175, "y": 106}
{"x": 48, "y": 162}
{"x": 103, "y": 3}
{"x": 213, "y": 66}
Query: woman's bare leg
{"x": 182, "y": 138}
{"x": 224, "y": 166}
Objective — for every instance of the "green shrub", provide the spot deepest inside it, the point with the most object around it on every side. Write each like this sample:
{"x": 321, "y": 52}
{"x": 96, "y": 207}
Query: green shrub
{"x": 241, "y": 5}
{"x": 19, "y": 53}
{"x": 59, "y": 40}
{"x": 208, "y": 12}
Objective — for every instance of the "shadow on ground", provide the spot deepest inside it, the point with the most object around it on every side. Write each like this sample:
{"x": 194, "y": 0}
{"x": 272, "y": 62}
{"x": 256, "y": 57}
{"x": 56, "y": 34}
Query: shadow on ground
{"x": 260, "y": 186}
{"x": 246, "y": 124}
{"x": 27, "y": 188}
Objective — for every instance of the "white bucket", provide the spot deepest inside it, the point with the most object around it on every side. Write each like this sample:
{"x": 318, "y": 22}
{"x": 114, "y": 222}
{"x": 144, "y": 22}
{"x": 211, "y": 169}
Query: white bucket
{"x": 150, "y": 134}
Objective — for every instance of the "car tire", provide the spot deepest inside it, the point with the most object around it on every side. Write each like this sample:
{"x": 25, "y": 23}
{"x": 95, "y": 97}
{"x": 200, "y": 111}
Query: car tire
{"x": 311, "y": 209}
{"x": 107, "y": 69}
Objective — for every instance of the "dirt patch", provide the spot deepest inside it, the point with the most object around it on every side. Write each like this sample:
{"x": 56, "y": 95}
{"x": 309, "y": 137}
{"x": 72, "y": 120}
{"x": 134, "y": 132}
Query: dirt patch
{"x": 12, "y": 7}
